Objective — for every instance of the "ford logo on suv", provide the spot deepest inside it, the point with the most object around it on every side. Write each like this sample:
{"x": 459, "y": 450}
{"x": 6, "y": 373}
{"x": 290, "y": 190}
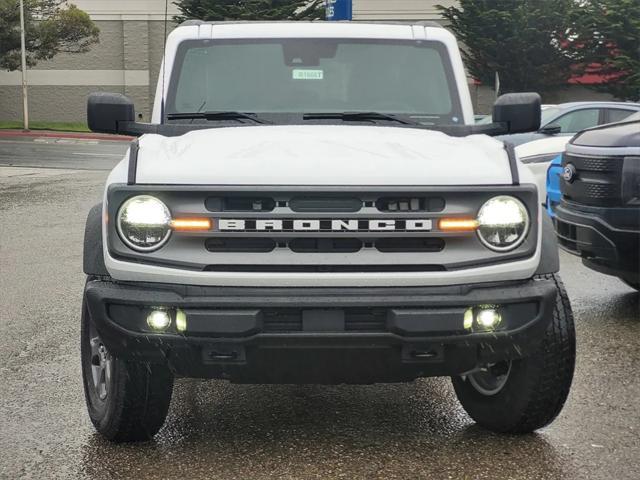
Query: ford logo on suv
{"x": 569, "y": 173}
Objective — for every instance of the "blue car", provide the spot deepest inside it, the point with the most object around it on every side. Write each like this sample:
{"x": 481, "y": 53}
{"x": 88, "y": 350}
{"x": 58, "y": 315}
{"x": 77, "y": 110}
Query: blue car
{"x": 554, "y": 172}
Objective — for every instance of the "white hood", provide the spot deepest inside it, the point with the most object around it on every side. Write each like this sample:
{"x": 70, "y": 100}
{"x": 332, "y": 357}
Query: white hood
{"x": 321, "y": 155}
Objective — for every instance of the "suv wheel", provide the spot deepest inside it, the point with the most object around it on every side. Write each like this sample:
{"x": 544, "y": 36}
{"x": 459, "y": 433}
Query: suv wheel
{"x": 526, "y": 394}
{"x": 127, "y": 401}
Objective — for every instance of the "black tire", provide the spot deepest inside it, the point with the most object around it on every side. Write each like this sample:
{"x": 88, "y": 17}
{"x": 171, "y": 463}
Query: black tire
{"x": 138, "y": 394}
{"x": 536, "y": 387}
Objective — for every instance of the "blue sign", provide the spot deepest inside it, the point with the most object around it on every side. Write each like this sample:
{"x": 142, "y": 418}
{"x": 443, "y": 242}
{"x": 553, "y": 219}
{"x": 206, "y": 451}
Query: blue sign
{"x": 339, "y": 10}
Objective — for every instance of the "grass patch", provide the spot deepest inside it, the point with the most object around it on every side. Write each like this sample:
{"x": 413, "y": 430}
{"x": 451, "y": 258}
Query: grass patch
{"x": 54, "y": 126}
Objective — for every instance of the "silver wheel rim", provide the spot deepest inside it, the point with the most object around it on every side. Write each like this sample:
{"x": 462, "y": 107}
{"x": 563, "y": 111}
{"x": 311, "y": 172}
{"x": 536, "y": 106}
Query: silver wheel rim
{"x": 487, "y": 382}
{"x": 101, "y": 366}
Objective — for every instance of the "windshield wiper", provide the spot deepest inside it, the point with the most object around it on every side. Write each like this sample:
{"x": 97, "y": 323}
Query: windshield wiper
{"x": 359, "y": 116}
{"x": 216, "y": 115}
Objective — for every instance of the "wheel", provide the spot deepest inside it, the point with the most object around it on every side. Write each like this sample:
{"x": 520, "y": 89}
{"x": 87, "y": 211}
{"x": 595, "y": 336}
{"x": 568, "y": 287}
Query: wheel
{"x": 127, "y": 401}
{"x": 524, "y": 395}
{"x": 634, "y": 285}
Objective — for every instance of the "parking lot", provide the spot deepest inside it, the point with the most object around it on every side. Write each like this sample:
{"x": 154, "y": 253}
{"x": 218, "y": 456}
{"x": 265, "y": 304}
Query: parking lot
{"x": 219, "y": 430}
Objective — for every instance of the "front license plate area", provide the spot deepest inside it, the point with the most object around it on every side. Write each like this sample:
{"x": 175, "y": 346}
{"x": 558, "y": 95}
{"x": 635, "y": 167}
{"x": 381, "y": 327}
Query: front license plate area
{"x": 323, "y": 321}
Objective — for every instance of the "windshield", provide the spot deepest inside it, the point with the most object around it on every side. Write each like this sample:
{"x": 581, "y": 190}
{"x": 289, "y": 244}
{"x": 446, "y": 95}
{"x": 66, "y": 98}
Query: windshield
{"x": 315, "y": 76}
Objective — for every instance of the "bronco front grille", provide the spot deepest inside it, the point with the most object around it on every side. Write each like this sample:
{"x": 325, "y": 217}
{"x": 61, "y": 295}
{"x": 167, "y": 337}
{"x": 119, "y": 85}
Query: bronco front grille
{"x": 323, "y": 229}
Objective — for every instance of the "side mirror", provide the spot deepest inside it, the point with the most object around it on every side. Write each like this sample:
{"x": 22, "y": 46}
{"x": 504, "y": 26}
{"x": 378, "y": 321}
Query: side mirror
{"x": 520, "y": 112}
{"x": 551, "y": 129}
{"x": 106, "y": 110}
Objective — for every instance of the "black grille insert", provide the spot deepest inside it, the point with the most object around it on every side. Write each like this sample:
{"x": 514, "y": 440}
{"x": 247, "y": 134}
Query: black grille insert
{"x": 410, "y": 204}
{"x": 248, "y": 245}
{"x": 240, "y": 204}
{"x": 325, "y": 204}
{"x": 325, "y": 245}
{"x": 394, "y": 245}
{"x": 597, "y": 180}
{"x": 285, "y": 320}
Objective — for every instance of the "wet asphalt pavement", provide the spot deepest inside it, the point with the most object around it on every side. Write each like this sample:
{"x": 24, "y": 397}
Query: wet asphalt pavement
{"x": 219, "y": 430}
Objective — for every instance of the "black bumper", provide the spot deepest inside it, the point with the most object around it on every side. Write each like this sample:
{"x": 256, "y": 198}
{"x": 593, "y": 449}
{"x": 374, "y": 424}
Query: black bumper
{"x": 320, "y": 335}
{"x": 607, "y": 239}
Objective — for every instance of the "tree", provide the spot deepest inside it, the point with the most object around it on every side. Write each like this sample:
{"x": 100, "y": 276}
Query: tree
{"x": 519, "y": 39}
{"x": 606, "y": 41}
{"x": 51, "y": 27}
{"x": 220, "y": 10}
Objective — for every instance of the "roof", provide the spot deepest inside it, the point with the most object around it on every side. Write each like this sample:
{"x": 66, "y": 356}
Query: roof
{"x": 425, "y": 23}
{"x": 572, "y": 105}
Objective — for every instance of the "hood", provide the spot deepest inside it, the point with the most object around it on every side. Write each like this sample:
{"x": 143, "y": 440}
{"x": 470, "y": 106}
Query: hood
{"x": 544, "y": 146}
{"x": 321, "y": 155}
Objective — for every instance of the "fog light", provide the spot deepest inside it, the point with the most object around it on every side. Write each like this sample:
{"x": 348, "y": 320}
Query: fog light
{"x": 159, "y": 320}
{"x": 488, "y": 318}
{"x": 181, "y": 320}
{"x": 468, "y": 319}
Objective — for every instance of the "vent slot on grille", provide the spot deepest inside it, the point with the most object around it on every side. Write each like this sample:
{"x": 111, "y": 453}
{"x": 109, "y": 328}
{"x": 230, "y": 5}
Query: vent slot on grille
{"x": 240, "y": 204}
{"x": 394, "y": 245}
{"x": 284, "y": 320}
{"x": 325, "y": 204}
{"x": 410, "y": 204}
{"x": 325, "y": 245}
{"x": 248, "y": 245}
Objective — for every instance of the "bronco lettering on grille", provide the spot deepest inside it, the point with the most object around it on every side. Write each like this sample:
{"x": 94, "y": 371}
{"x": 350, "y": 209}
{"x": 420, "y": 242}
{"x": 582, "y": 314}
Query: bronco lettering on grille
{"x": 315, "y": 225}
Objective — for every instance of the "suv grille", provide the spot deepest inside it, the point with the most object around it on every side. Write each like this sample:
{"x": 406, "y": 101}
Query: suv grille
{"x": 323, "y": 229}
{"x": 597, "y": 180}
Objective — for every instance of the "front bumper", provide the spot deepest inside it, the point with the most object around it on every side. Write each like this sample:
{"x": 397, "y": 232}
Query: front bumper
{"x": 320, "y": 335}
{"x": 607, "y": 239}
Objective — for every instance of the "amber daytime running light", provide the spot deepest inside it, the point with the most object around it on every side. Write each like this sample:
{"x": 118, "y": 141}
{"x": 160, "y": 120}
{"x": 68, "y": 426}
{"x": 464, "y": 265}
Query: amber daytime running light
{"x": 191, "y": 224}
{"x": 458, "y": 225}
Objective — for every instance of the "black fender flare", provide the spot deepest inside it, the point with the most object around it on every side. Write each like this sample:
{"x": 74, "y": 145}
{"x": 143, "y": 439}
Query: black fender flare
{"x": 93, "y": 257}
{"x": 549, "y": 256}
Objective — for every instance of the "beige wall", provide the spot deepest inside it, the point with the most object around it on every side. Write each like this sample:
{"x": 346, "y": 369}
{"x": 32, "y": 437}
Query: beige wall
{"x": 398, "y": 9}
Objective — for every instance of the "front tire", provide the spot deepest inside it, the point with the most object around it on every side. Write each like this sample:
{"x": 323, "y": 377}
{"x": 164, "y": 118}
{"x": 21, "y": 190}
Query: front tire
{"x": 526, "y": 394}
{"x": 127, "y": 401}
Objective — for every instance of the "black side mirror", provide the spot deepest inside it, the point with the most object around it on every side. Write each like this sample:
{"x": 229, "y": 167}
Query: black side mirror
{"x": 551, "y": 129}
{"x": 520, "y": 112}
{"x": 106, "y": 110}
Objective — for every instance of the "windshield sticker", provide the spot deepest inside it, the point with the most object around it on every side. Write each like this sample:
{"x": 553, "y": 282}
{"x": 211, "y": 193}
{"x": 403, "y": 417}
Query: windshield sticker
{"x": 308, "y": 74}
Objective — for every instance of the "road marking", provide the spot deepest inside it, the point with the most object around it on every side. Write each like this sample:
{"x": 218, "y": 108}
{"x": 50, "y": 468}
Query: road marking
{"x": 99, "y": 154}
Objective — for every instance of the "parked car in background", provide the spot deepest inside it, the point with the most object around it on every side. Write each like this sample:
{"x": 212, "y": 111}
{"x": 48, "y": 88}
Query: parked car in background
{"x": 554, "y": 194}
{"x": 567, "y": 119}
{"x": 554, "y": 175}
{"x": 598, "y": 217}
{"x": 537, "y": 155}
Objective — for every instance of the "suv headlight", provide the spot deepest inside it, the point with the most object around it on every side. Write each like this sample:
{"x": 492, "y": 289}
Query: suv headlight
{"x": 503, "y": 223}
{"x": 144, "y": 223}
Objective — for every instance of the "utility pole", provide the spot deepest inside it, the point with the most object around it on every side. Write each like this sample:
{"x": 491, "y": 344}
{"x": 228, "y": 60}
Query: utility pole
{"x": 25, "y": 99}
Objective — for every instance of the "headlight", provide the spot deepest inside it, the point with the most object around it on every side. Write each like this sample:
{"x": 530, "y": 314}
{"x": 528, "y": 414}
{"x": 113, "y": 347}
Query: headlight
{"x": 144, "y": 223}
{"x": 503, "y": 223}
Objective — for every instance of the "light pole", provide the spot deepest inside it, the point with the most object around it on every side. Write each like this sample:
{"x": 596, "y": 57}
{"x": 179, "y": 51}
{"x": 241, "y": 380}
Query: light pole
{"x": 25, "y": 99}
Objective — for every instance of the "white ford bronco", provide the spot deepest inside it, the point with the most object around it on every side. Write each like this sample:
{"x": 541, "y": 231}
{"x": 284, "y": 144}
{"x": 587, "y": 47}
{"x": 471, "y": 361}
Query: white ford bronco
{"x": 312, "y": 203}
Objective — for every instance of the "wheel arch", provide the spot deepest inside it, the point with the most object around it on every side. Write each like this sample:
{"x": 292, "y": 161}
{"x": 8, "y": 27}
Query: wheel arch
{"x": 549, "y": 256}
{"x": 93, "y": 256}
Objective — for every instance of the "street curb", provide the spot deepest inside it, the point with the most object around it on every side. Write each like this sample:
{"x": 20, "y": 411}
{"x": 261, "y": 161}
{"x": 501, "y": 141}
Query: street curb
{"x": 70, "y": 135}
